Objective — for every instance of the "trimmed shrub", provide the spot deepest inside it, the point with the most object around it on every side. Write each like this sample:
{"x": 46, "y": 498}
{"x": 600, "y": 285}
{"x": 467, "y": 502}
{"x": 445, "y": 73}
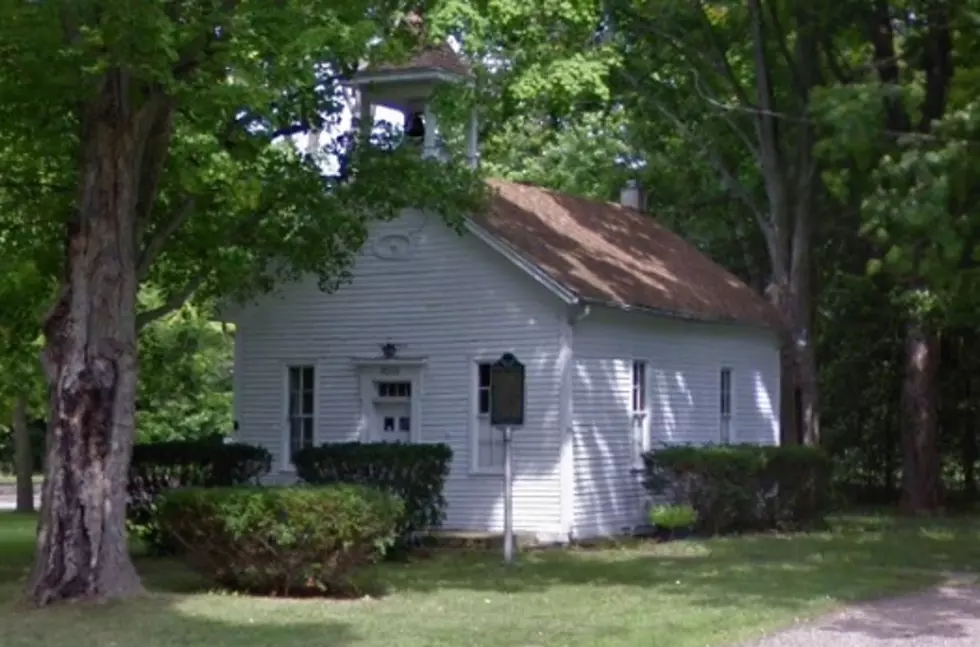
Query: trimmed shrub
{"x": 157, "y": 468}
{"x": 415, "y": 473}
{"x": 281, "y": 540}
{"x": 802, "y": 479}
{"x": 744, "y": 487}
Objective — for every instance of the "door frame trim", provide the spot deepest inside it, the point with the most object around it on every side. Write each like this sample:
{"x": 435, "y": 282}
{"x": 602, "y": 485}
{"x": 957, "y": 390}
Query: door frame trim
{"x": 374, "y": 370}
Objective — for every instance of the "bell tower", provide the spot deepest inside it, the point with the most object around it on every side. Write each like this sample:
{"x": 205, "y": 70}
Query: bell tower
{"x": 408, "y": 88}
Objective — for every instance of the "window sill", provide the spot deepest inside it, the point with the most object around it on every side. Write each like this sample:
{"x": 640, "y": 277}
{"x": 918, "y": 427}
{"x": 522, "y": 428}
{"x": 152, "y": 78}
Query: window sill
{"x": 487, "y": 471}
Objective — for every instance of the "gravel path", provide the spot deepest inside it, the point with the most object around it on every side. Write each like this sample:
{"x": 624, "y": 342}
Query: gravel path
{"x": 947, "y": 616}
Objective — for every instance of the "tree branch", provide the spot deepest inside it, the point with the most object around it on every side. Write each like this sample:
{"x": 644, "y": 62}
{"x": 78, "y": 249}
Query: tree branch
{"x": 768, "y": 133}
{"x": 886, "y": 63}
{"x": 172, "y": 303}
{"x": 722, "y": 54}
{"x": 724, "y": 114}
{"x": 731, "y": 181}
{"x": 156, "y": 145}
{"x": 843, "y": 76}
{"x": 151, "y": 251}
{"x": 937, "y": 64}
{"x": 791, "y": 62}
{"x": 179, "y": 298}
{"x": 214, "y": 31}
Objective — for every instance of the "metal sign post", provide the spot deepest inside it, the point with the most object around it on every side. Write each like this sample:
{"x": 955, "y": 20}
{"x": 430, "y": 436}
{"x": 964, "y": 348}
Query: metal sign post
{"x": 508, "y": 496}
{"x": 507, "y": 412}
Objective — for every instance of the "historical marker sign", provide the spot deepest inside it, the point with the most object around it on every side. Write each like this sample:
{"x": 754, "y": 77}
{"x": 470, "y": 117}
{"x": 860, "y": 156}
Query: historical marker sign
{"x": 507, "y": 392}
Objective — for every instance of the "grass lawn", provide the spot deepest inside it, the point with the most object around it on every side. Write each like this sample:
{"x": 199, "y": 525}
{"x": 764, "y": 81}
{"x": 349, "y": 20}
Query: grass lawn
{"x": 683, "y": 594}
{"x": 11, "y": 479}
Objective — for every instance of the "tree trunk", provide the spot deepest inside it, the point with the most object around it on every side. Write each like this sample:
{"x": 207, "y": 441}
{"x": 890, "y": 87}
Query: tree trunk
{"x": 921, "y": 491}
{"x": 23, "y": 456}
{"x": 808, "y": 401}
{"x": 969, "y": 450}
{"x": 91, "y": 365}
{"x": 799, "y": 413}
{"x": 789, "y": 420}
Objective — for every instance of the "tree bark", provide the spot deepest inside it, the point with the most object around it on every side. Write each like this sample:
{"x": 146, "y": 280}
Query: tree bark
{"x": 90, "y": 362}
{"x": 921, "y": 488}
{"x": 23, "y": 456}
{"x": 788, "y": 173}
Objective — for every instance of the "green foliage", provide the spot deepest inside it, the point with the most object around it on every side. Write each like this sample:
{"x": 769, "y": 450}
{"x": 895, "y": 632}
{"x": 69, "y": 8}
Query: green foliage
{"x": 415, "y": 473}
{"x": 158, "y": 468}
{"x": 673, "y": 517}
{"x": 185, "y": 385}
{"x": 860, "y": 335}
{"x": 744, "y": 487}
{"x": 281, "y": 540}
{"x": 229, "y": 205}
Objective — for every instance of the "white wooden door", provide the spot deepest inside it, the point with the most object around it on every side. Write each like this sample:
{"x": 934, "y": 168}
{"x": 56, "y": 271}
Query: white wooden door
{"x": 393, "y": 411}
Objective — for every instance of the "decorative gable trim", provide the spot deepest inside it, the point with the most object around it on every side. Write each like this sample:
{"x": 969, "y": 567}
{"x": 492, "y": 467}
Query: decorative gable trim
{"x": 508, "y": 252}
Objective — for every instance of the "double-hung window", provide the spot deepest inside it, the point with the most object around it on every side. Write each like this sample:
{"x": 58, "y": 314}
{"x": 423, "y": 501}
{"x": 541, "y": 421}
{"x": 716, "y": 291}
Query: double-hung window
{"x": 301, "y": 414}
{"x": 489, "y": 442}
{"x": 640, "y": 412}
{"x": 725, "y": 406}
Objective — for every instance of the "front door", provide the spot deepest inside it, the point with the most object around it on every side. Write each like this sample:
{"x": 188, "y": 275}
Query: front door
{"x": 393, "y": 411}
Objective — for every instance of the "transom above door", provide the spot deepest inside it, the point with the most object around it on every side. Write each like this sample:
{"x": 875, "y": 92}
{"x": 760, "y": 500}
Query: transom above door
{"x": 391, "y": 393}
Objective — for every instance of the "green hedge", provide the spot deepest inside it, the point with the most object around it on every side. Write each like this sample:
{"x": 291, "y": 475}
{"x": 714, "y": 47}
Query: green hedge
{"x": 281, "y": 540}
{"x": 744, "y": 487}
{"x": 157, "y": 468}
{"x": 415, "y": 473}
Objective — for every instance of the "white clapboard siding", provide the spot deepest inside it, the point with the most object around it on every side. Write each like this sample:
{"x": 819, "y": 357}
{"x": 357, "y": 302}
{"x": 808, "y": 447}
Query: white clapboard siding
{"x": 450, "y": 300}
{"x": 684, "y": 361}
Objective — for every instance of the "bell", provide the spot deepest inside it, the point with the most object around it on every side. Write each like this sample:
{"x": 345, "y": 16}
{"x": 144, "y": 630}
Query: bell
{"x": 416, "y": 126}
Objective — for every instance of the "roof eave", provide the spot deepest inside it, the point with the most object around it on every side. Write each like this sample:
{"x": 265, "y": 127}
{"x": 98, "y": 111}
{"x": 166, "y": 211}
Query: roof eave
{"x": 673, "y": 314}
{"x": 402, "y": 75}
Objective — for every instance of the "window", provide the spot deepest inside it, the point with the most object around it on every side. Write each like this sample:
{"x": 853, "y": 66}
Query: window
{"x": 394, "y": 389}
{"x": 301, "y": 409}
{"x": 639, "y": 387}
{"x": 489, "y": 441}
{"x": 640, "y": 428}
{"x": 725, "y": 406}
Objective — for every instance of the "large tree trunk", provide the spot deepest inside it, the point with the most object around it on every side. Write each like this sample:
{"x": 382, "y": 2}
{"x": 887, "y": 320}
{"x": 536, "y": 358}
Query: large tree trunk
{"x": 788, "y": 173}
{"x": 921, "y": 491}
{"x": 23, "y": 456}
{"x": 91, "y": 365}
{"x": 799, "y": 410}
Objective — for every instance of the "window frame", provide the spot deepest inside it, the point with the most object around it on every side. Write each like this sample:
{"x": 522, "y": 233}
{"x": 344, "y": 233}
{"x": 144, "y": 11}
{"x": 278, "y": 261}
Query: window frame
{"x": 477, "y": 417}
{"x": 726, "y": 399}
{"x": 288, "y": 417}
{"x": 640, "y": 441}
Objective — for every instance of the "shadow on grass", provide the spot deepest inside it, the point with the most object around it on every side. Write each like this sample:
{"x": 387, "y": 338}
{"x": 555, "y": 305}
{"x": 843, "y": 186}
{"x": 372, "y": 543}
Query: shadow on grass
{"x": 163, "y": 620}
{"x": 177, "y": 613}
{"x": 861, "y": 559}
{"x": 791, "y": 575}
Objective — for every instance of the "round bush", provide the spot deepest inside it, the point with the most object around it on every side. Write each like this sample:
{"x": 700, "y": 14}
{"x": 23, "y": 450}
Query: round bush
{"x": 281, "y": 540}
{"x": 157, "y": 468}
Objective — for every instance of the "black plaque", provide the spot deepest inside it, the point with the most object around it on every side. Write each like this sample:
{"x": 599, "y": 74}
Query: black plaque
{"x": 507, "y": 392}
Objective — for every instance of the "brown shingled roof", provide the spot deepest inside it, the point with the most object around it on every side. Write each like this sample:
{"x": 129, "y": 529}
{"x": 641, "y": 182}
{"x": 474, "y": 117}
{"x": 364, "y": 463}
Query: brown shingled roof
{"x": 437, "y": 57}
{"x": 613, "y": 254}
